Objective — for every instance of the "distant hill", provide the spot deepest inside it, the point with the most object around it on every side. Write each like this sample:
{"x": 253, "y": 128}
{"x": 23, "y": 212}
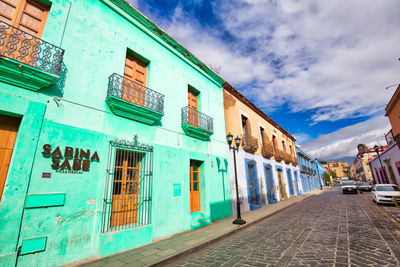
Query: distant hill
{"x": 346, "y": 159}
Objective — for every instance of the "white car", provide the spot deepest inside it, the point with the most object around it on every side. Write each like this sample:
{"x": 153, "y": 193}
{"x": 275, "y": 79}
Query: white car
{"x": 349, "y": 186}
{"x": 383, "y": 193}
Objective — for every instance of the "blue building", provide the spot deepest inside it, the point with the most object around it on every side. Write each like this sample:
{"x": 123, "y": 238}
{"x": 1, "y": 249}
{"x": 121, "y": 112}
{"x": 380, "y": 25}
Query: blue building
{"x": 319, "y": 170}
{"x": 308, "y": 171}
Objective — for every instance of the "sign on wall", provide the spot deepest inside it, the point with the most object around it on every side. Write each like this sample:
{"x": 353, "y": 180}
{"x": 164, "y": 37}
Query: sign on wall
{"x": 70, "y": 160}
{"x": 389, "y": 138}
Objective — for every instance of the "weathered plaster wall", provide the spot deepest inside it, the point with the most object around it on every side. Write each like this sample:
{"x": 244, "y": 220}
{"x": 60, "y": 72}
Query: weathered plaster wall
{"x": 390, "y": 158}
{"x": 96, "y": 39}
{"x": 234, "y": 109}
{"x": 242, "y": 181}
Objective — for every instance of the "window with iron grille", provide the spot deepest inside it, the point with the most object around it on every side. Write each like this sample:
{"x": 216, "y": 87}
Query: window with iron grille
{"x": 127, "y": 198}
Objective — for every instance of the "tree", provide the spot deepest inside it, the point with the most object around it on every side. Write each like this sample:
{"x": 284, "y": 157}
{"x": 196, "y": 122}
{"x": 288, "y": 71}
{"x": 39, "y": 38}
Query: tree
{"x": 327, "y": 177}
{"x": 334, "y": 175}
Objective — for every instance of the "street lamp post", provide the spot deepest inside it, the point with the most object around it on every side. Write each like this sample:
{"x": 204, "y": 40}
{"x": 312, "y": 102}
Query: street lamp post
{"x": 229, "y": 138}
{"x": 376, "y": 147}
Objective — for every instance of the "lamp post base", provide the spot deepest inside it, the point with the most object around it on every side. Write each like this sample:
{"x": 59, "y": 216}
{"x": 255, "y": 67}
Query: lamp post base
{"x": 239, "y": 221}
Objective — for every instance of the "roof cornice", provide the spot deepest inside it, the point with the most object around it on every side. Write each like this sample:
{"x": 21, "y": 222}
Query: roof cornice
{"x": 248, "y": 103}
{"x": 134, "y": 16}
{"x": 393, "y": 101}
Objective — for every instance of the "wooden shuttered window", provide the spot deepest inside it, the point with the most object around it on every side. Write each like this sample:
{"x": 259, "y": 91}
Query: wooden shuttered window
{"x": 27, "y": 15}
{"x": 193, "y": 104}
{"x": 135, "y": 83}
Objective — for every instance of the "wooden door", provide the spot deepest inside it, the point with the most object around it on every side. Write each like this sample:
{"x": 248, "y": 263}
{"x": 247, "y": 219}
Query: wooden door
{"x": 282, "y": 185}
{"x": 134, "y": 89}
{"x": 126, "y": 185}
{"x": 8, "y": 134}
{"x": 193, "y": 108}
{"x": 29, "y": 16}
{"x": 270, "y": 186}
{"x": 194, "y": 187}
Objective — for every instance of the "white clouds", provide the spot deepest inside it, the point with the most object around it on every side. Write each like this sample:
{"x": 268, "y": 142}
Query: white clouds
{"x": 343, "y": 143}
{"x": 326, "y": 56}
{"x": 332, "y": 59}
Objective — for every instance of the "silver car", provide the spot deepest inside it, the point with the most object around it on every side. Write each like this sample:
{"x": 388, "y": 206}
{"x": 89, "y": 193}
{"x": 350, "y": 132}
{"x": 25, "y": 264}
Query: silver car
{"x": 364, "y": 186}
{"x": 349, "y": 187}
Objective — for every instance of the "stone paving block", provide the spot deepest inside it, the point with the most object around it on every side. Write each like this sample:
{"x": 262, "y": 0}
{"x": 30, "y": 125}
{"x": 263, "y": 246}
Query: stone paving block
{"x": 327, "y": 230}
{"x": 115, "y": 263}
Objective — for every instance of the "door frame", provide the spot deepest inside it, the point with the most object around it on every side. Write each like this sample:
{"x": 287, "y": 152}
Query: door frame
{"x": 296, "y": 182}
{"x": 280, "y": 181}
{"x": 268, "y": 169}
{"x": 257, "y": 204}
{"x": 200, "y": 171}
{"x": 290, "y": 182}
{"x": 19, "y": 170}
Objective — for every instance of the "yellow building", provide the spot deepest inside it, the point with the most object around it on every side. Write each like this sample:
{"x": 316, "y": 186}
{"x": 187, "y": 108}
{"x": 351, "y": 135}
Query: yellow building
{"x": 340, "y": 168}
{"x": 266, "y": 160}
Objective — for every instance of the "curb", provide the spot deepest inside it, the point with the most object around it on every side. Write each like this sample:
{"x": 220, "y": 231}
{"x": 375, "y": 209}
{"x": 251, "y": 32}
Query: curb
{"x": 186, "y": 252}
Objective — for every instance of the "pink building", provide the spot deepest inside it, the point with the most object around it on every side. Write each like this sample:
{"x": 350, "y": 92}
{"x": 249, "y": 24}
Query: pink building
{"x": 386, "y": 167}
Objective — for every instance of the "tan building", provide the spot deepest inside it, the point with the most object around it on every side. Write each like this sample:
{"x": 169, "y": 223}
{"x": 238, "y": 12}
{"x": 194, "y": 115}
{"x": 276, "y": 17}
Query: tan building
{"x": 360, "y": 169}
{"x": 339, "y": 167}
{"x": 392, "y": 112}
{"x": 267, "y": 165}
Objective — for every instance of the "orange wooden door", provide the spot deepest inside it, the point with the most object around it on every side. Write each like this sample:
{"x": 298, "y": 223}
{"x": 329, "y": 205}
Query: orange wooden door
{"x": 193, "y": 104}
{"x": 125, "y": 199}
{"x": 194, "y": 187}
{"x": 136, "y": 71}
{"x": 8, "y": 134}
{"x": 29, "y": 16}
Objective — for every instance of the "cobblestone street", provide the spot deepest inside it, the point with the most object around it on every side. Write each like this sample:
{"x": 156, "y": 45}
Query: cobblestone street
{"x": 329, "y": 229}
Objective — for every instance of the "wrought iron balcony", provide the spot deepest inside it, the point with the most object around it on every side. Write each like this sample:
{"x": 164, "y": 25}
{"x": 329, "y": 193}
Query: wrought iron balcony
{"x": 129, "y": 99}
{"x": 196, "y": 124}
{"x": 279, "y": 155}
{"x": 267, "y": 150}
{"x": 26, "y": 49}
{"x": 249, "y": 143}
{"x": 287, "y": 157}
{"x": 295, "y": 161}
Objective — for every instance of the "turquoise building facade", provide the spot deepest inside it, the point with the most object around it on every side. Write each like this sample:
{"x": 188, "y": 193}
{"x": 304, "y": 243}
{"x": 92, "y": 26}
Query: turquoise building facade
{"x": 119, "y": 135}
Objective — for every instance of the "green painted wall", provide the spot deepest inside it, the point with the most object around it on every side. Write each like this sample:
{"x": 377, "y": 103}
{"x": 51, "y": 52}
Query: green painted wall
{"x": 74, "y": 113}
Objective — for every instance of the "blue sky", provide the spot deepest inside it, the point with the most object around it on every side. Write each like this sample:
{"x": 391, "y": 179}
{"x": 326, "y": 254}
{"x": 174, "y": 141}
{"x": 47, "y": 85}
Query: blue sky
{"x": 318, "y": 68}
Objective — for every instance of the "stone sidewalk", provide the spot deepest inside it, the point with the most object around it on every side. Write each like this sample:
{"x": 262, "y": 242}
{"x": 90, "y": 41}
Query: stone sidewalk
{"x": 164, "y": 251}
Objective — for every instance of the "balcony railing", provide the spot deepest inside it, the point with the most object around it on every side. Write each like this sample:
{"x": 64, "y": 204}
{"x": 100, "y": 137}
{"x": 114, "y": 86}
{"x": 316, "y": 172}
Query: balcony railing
{"x": 123, "y": 88}
{"x": 287, "y": 157}
{"x": 27, "y": 49}
{"x": 249, "y": 143}
{"x": 279, "y": 155}
{"x": 196, "y": 119}
{"x": 267, "y": 150}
